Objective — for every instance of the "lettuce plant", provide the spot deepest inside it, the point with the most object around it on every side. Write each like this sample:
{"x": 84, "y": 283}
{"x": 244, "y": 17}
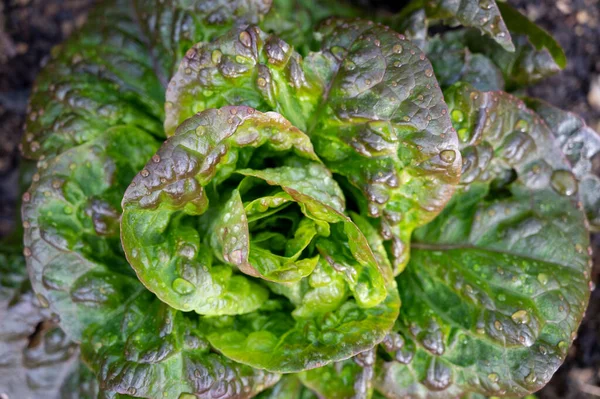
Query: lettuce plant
{"x": 285, "y": 200}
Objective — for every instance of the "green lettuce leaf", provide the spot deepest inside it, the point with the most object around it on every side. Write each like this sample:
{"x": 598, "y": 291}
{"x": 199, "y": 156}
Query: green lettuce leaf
{"x": 537, "y": 54}
{"x": 294, "y": 21}
{"x": 368, "y": 101}
{"x": 498, "y": 283}
{"x": 173, "y": 26}
{"x": 71, "y": 220}
{"x": 581, "y": 145}
{"x": 38, "y": 359}
{"x": 483, "y": 15}
{"x": 151, "y": 350}
{"x": 453, "y": 61}
{"x": 519, "y": 24}
{"x": 207, "y": 221}
{"x": 114, "y": 71}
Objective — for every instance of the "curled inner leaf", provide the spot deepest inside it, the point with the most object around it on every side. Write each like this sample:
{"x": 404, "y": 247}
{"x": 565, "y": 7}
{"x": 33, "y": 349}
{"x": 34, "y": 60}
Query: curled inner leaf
{"x": 236, "y": 209}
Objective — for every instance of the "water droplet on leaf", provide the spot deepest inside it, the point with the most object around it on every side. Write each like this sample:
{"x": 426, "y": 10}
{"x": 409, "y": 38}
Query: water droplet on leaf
{"x": 520, "y": 317}
{"x": 448, "y": 156}
{"x": 563, "y": 182}
{"x": 182, "y": 286}
{"x": 457, "y": 116}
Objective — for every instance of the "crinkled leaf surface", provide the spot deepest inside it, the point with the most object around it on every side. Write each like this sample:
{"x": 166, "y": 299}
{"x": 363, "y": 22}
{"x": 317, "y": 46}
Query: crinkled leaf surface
{"x": 208, "y": 227}
{"x": 294, "y": 21}
{"x": 481, "y": 14}
{"x": 519, "y": 24}
{"x": 368, "y": 100}
{"x": 114, "y": 70}
{"x": 498, "y": 283}
{"x": 38, "y": 360}
{"x": 537, "y": 54}
{"x": 453, "y": 61}
{"x": 101, "y": 77}
{"x": 173, "y": 26}
{"x": 71, "y": 218}
{"x": 151, "y": 350}
{"x": 581, "y": 145}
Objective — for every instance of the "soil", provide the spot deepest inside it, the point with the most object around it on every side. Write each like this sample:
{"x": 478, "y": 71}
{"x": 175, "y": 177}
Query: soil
{"x": 29, "y": 29}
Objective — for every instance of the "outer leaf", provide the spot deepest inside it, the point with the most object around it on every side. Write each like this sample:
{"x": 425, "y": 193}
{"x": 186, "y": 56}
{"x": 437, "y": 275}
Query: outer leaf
{"x": 151, "y": 351}
{"x": 453, "y": 61}
{"x": 497, "y": 284}
{"x": 71, "y": 219}
{"x": 38, "y": 360}
{"x": 581, "y": 145}
{"x": 101, "y": 77}
{"x": 195, "y": 167}
{"x": 537, "y": 55}
{"x": 481, "y": 14}
{"x": 520, "y": 24}
{"x": 368, "y": 101}
{"x": 173, "y": 26}
{"x": 114, "y": 71}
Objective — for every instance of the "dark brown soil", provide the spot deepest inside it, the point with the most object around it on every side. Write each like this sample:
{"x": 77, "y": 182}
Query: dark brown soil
{"x": 29, "y": 28}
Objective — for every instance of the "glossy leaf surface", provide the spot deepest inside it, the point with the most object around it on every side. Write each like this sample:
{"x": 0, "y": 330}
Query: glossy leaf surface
{"x": 38, "y": 359}
{"x": 151, "y": 350}
{"x": 497, "y": 284}
{"x": 368, "y": 101}
{"x": 283, "y": 225}
{"x": 483, "y": 15}
{"x": 581, "y": 145}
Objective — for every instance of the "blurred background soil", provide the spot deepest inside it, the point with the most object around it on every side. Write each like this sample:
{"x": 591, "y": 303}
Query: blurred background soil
{"x": 29, "y": 29}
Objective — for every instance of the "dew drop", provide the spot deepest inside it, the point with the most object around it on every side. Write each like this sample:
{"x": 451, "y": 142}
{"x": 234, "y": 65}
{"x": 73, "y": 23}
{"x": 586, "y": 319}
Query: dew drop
{"x": 42, "y": 300}
{"x": 428, "y": 73}
{"x": 493, "y": 377}
{"x": 187, "y": 396}
{"x": 520, "y": 317}
{"x": 156, "y": 158}
{"x": 498, "y": 325}
{"x": 562, "y": 345}
{"x": 349, "y": 65}
{"x": 522, "y": 125}
{"x": 485, "y": 4}
{"x": 182, "y": 286}
{"x": 338, "y": 52}
{"x": 145, "y": 173}
{"x": 68, "y": 210}
{"x": 563, "y": 182}
{"x": 397, "y": 49}
{"x": 531, "y": 378}
{"x": 542, "y": 278}
{"x": 216, "y": 56}
{"x": 261, "y": 82}
{"x": 245, "y": 39}
{"x": 27, "y": 252}
{"x": 448, "y": 156}
{"x": 502, "y": 297}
